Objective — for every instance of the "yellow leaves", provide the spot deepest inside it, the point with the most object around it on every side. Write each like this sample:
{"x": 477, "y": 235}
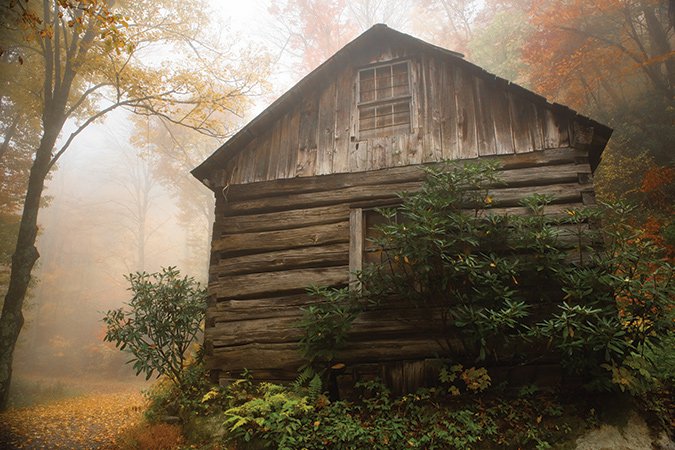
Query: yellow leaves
{"x": 213, "y": 393}
{"x": 47, "y": 32}
{"x": 93, "y": 421}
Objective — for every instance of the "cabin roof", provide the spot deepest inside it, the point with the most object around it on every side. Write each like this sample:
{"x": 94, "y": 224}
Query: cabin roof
{"x": 377, "y": 33}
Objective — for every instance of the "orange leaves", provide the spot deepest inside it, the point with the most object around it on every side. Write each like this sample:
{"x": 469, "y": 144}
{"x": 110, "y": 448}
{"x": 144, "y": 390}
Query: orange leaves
{"x": 94, "y": 421}
{"x": 580, "y": 47}
{"x": 657, "y": 179}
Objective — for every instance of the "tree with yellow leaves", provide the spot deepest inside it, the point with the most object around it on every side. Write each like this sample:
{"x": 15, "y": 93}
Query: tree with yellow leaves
{"x": 92, "y": 57}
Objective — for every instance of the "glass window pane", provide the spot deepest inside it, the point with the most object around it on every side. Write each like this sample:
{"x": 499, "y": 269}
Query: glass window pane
{"x": 367, "y": 118}
{"x": 367, "y": 85}
{"x": 401, "y": 113}
{"x": 400, "y": 79}
{"x": 385, "y": 116}
{"x": 383, "y": 82}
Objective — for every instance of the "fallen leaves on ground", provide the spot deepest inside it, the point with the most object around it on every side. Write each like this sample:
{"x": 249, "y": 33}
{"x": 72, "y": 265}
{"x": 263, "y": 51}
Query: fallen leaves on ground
{"x": 93, "y": 421}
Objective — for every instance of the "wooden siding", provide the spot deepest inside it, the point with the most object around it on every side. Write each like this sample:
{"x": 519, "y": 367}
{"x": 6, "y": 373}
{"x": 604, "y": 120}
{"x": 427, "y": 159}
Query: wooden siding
{"x": 272, "y": 239}
{"x": 458, "y": 112}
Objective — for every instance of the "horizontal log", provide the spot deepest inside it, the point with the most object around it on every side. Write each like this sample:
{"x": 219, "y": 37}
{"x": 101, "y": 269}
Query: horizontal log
{"x": 320, "y": 256}
{"x": 262, "y": 331}
{"x": 560, "y": 193}
{"x": 257, "y": 284}
{"x": 545, "y": 175}
{"x": 398, "y": 174}
{"x": 243, "y": 306}
{"x": 368, "y": 325}
{"x": 287, "y": 355}
{"x": 283, "y": 220}
{"x": 265, "y": 241}
{"x": 531, "y": 177}
{"x": 558, "y": 210}
{"x": 317, "y": 199}
{"x": 255, "y": 356}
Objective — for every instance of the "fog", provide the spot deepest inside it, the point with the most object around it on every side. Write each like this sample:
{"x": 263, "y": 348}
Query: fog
{"x": 122, "y": 199}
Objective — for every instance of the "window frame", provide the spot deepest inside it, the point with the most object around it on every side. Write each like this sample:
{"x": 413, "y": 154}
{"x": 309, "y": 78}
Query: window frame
{"x": 358, "y": 233}
{"x": 393, "y": 100}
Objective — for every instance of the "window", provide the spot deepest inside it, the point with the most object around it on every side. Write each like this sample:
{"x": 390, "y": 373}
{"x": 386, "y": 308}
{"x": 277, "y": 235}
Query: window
{"x": 384, "y": 98}
{"x": 363, "y": 223}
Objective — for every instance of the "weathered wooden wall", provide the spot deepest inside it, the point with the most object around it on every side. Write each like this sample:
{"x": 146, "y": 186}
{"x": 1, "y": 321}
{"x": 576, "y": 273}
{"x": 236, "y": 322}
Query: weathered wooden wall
{"x": 272, "y": 239}
{"x": 458, "y": 111}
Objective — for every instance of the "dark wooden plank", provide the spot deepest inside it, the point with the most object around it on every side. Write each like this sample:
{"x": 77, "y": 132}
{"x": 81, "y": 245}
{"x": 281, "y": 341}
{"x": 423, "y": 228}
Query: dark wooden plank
{"x": 413, "y": 143}
{"x": 562, "y": 118}
{"x": 377, "y": 153}
{"x": 259, "y": 284}
{"x": 560, "y": 193}
{"x": 321, "y": 256}
{"x": 398, "y": 150}
{"x": 543, "y": 175}
{"x": 260, "y": 308}
{"x": 433, "y": 139}
{"x": 356, "y": 242}
{"x": 326, "y": 126}
{"x": 293, "y": 135}
{"x": 397, "y": 174}
{"x": 485, "y": 129}
{"x": 269, "y": 330}
{"x": 522, "y": 120}
{"x": 502, "y": 118}
{"x": 449, "y": 113}
{"x": 256, "y": 356}
{"x": 537, "y": 128}
{"x": 280, "y": 149}
{"x": 358, "y": 156}
{"x": 260, "y": 159}
{"x": 551, "y": 132}
{"x": 286, "y": 355}
{"x": 281, "y": 220}
{"x": 313, "y": 199}
{"x": 283, "y": 239}
{"x": 307, "y": 137}
{"x": 525, "y": 176}
{"x": 466, "y": 114}
{"x": 344, "y": 97}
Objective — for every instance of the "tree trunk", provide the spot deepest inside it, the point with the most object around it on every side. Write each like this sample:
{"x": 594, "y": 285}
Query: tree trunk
{"x": 23, "y": 260}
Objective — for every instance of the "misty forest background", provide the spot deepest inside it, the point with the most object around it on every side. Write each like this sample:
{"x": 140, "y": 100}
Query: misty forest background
{"x": 122, "y": 199}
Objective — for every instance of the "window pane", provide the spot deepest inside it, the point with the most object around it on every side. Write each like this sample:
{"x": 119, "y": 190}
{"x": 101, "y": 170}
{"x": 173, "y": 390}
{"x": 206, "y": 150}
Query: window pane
{"x": 367, "y": 118}
{"x": 383, "y": 82}
{"x": 385, "y": 116}
{"x": 400, "y": 79}
{"x": 367, "y": 85}
{"x": 401, "y": 113}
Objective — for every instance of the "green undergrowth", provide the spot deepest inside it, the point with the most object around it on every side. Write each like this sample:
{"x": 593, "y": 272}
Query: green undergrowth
{"x": 278, "y": 417}
{"x": 464, "y": 411}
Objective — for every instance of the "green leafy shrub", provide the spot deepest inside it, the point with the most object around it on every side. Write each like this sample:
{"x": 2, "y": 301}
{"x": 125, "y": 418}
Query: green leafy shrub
{"x": 325, "y": 325}
{"x": 160, "y": 322}
{"x": 474, "y": 380}
{"x": 515, "y": 287}
{"x": 272, "y": 416}
{"x": 193, "y": 397}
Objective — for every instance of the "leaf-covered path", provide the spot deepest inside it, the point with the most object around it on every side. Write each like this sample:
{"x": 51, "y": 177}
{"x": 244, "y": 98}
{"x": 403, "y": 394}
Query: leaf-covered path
{"x": 92, "y": 421}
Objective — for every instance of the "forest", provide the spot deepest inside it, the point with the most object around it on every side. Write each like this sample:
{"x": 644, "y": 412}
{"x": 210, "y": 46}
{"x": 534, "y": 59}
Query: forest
{"x": 107, "y": 105}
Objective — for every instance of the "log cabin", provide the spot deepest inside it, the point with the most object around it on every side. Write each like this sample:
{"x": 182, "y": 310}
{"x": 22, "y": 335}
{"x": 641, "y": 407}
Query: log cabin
{"x": 294, "y": 189}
